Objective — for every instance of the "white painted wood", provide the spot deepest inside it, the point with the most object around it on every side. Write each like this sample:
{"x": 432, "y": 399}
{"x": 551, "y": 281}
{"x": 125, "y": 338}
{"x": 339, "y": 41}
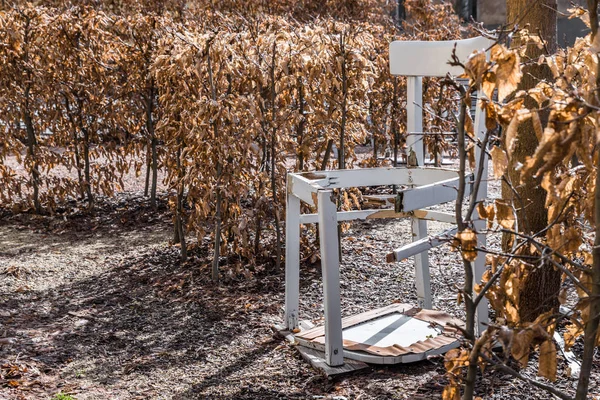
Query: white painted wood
{"x": 427, "y": 187}
{"x": 480, "y": 225}
{"x": 429, "y": 195}
{"x": 480, "y": 130}
{"x": 292, "y": 262}
{"x": 302, "y": 188}
{"x": 414, "y": 123}
{"x": 429, "y": 215}
{"x": 421, "y": 245}
{"x": 421, "y": 58}
{"x": 422, "y": 276}
{"x": 328, "y": 231}
{"x": 384, "y": 360}
{"x": 574, "y": 363}
{"x": 316, "y": 358}
{"x": 393, "y": 329}
{"x": 347, "y": 178}
{"x": 439, "y": 216}
{"x": 482, "y": 313}
{"x": 283, "y": 332}
{"x": 306, "y": 325}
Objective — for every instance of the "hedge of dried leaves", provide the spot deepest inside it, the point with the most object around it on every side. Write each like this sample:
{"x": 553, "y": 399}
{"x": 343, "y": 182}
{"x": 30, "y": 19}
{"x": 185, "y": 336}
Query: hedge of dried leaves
{"x": 223, "y": 97}
{"x": 564, "y": 115}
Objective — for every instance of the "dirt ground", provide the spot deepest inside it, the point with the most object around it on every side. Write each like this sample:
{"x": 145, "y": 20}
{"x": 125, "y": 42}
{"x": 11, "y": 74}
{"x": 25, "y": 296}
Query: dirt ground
{"x": 99, "y": 307}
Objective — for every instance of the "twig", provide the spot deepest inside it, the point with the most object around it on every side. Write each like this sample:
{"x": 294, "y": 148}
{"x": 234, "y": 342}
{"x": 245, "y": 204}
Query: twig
{"x": 504, "y": 368}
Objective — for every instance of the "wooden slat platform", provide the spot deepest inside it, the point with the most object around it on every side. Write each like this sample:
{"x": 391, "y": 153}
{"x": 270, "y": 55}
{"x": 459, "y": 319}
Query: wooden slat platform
{"x": 316, "y": 358}
{"x": 399, "y": 333}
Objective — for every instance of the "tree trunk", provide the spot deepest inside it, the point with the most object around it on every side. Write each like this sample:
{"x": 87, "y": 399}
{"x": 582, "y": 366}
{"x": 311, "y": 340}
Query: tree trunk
{"x": 219, "y": 172}
{"x": 465, "y": 9}
{"x": 148, "y": 157}
{"x": 179, "y": 217}
{"x": 400, "y": 12}
{"x": 593, "y": 323}
{"x": 153, "y": 155}
{"x": 34, "y": 171}
{"x": 75, "y": 147}
{"x": 342, "y": 149}
{"x": 540, "y": 291}
{"x": 300, "y": 132}
{"x": 31, "y": 138}
{"x": 86, "y": 168}
{"x": 395, "y": 134}
{"x": 274, "y": 161}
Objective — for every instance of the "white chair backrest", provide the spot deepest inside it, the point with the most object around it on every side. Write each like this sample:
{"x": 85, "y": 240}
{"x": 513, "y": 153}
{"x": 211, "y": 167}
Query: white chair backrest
{"x": 420, "y": 58}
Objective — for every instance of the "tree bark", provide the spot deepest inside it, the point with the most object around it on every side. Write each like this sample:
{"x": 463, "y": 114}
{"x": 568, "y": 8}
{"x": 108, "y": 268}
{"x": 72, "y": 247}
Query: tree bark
{"x": 219, "y": 172}
{"x": 153, "y": 156}
{"x": 34, "y": 171}
{"x": 31, "y": 138}
{"x": 593, "y": 324}
{"x": 342, "y": 149}
{"x": 86, "y": 168}
{"x": 179, "y": 215}
{"x": 465, "y": 9}
{"x": 274, "y": 160}
{"x": 540, "y": 291}
{"x": 300, "y": 129}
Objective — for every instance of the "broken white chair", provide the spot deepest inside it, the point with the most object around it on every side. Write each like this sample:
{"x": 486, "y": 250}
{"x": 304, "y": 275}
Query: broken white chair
{"x": 390, "y": 334}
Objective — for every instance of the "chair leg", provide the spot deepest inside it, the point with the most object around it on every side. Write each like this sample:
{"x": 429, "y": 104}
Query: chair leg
{"x": 292, "y": 262}
{"x": 328, "y": 232}
{"x": 479, "y": 269}
{"x": 422, "y": 277}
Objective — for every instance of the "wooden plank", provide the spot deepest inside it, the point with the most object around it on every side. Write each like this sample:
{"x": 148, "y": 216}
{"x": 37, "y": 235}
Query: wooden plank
{"x": 302, "y": 188}
{"x": 306, "y": 325}
{"x": 479, "y": 269}
{"x": 358, "y": 318}
{"x": 393, "y": 337}
{"x": 429, "y": 195}
{"x": 430, "y": 58}
{"x": 328, "y": 230}
{"x": 429, "y": 215}
{"x": 414, "y": 123}
{"x": 421, "y": 245}
{"x": 479, "y": 152}
{"x": 574, "y": 363}
{"x": 316, "y": 358}
{"x": 284, "y": 333}
{"x": 292, "y": 262}
{"x": 365, "y": 177}
{"x": 383, "y": 360}
{"x": 422, "y": 275}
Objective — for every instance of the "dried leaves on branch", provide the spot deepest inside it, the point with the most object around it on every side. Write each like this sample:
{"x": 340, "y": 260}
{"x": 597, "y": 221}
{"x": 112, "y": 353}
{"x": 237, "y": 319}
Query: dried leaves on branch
{"x": 218, "y": 105}
{"x": 565, "y": 163}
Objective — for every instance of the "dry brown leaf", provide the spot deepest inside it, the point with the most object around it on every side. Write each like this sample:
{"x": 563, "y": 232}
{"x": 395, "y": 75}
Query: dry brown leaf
{"x": 507, "y": 69}
{"x": 547, "y": 367}
{"x": 487, "y": 212}
{"x": 488, "y": 84}
{"x": 573, "y": 332}
{"x": 499, "y": 161}
{"x": 451, "y": 392}
{"x": 476, "y": 66}
{"x": 491, "y": 116}
{"x": 505, "y": 214}
{"x": 521, "y": 346}
{"x": 468, "y": 244}
{"x": 581, "y": 13}
{"x": 537, "y": 125}
{"x": 510, "y": 136}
